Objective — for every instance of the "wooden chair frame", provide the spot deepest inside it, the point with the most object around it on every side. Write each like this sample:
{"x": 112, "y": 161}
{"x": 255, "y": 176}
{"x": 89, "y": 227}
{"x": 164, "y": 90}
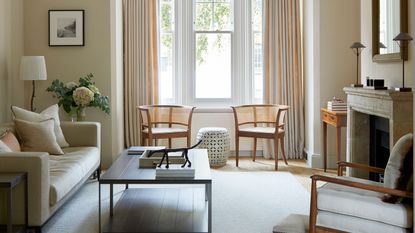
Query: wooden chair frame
{"x": 277, "y": 135}
{"x": 150, "y": 136}
{"x": 341, "y": 165}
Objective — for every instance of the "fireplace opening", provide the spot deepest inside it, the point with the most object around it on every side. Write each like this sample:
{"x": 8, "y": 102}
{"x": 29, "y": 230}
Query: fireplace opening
{"x": 379, "y": 145}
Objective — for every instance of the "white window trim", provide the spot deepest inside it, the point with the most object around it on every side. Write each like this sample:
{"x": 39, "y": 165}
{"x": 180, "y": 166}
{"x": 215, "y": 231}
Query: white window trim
{"x": 184, "y": 57}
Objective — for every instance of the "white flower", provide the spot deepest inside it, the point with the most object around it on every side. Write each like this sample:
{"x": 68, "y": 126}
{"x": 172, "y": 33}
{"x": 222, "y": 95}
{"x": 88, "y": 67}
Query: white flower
{"x": 94, "y": 89}
{"x": 71, "y": 85}
{"x": 83, "y": 96}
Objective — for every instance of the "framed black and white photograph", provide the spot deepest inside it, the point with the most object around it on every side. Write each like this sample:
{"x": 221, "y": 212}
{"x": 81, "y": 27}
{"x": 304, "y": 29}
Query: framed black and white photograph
{"x": 66, "y": 28}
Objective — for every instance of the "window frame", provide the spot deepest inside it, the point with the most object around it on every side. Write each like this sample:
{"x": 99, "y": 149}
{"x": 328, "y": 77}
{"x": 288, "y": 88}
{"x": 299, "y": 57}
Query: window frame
{"x": 184, "y": 59}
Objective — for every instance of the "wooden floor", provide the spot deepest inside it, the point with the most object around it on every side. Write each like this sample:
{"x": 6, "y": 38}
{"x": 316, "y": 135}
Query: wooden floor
{"x": 298, "y": 168}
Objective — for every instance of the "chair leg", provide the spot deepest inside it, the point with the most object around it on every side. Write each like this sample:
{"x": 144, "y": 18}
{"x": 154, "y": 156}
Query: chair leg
{"x": 150, "y": 140}
{"x": 254, "y": 151}
{"x": 237, "y": 150}
{"x": 143, "y": 140}
{"x": 169, "y": 142}
{"x": 283, "y": 150}
{"x": 155, "y": 142}
{"x": 276, "y": 153}
{"x": 188, "y": 141}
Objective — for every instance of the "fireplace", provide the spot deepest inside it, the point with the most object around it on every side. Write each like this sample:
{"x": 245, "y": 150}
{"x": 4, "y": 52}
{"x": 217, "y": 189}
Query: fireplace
{"x": 379, "y": 145}
{"x": 378, "y": 117}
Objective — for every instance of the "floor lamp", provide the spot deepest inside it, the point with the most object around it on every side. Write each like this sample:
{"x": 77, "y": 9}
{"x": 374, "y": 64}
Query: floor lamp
{"x": 33, "y": 68}
{"x": 359, "y": 47}
{"x": 403, "y": 39}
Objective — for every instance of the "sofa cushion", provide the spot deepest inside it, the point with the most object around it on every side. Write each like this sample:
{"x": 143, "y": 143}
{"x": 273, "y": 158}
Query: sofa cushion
{"x": 4, "y": 147}
{"x": 69, "y": 169}
{"x": 351, "y": 201}
{"x": 10, "y": 140}
{"x": 38, "y": 136}
{"x": 50, "y": 112}
{"x": 354, "y": 224}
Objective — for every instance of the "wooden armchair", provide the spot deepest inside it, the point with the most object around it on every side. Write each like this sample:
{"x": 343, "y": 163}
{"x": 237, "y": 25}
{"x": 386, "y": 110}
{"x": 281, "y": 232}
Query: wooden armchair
{"x": 165, "y": 121}
{"x": 349, "y": 204}
{"x": 260, "y": 121}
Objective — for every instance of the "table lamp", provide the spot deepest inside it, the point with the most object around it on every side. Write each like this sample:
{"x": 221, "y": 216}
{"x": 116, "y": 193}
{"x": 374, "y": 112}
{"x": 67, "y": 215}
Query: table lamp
{"x": 403, "y": 39}
{"x": 33, "y": 68}
{"x": 359, "y": 47}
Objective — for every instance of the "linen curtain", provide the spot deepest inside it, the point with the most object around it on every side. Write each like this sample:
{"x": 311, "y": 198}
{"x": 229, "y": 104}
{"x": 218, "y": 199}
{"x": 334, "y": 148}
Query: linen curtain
{"x": 140, "y": 62}
{"x": 283, "y": 75}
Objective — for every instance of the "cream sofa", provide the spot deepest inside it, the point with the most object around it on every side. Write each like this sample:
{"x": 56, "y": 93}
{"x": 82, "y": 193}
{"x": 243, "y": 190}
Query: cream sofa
{"x": 52, "y": 180}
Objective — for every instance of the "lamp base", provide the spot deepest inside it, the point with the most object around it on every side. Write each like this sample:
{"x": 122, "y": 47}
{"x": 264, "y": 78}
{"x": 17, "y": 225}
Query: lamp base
{"x": 356, "y": 85}
{"x": 403, "y": 89}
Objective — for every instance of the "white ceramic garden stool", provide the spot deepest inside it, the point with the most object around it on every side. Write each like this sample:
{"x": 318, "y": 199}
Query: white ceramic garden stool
{"x": 217, "y": 141}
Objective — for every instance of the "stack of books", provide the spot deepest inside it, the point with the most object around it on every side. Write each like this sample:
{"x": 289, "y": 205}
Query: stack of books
{"x": 337, "y": 105}
{"x": 175, "y": 171}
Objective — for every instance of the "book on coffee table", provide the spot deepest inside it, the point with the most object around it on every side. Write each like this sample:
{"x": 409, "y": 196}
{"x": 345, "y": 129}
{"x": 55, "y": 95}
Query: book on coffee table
{"x": 139, "y": 150}
{"x": 175, "y": 171}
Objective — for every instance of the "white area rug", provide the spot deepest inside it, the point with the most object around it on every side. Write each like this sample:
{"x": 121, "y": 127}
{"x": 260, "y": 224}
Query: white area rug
{"x": 243, "y": 202}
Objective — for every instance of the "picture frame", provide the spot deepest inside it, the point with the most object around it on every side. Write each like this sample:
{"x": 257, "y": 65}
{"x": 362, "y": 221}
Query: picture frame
{"x": 66, "y": 27}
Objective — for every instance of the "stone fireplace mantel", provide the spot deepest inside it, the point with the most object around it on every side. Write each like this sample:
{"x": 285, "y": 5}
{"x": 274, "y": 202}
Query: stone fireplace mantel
{"x": 361, "y": 103}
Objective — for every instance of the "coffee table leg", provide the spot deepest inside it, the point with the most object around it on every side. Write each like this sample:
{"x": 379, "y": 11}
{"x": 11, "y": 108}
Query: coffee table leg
{"x": 209, "y": 197}
{"x": 111, "y": 199}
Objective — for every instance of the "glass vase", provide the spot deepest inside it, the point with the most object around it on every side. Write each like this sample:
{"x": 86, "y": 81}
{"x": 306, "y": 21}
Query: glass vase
{"x": 80, "y": 113}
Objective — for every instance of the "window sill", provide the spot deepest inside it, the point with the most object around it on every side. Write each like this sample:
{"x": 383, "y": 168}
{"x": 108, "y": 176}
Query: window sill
{"x": 213, "y": 110}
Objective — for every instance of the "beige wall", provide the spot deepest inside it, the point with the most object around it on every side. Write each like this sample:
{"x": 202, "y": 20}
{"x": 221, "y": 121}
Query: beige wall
{"x": 390, "y": 72}
{"x": 11, "y": 49}
{"x": 69, "y": 63}
{"x": 329, "y": 65}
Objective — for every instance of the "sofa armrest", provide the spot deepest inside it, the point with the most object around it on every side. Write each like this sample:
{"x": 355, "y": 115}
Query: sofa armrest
{"x": 36, "y": 165}
{"x": 82, "y": 133}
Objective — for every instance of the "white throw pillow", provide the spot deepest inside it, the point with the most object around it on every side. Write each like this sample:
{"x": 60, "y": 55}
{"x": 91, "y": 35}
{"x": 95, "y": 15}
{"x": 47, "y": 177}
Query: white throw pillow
{"x": 4, "y": 147}
{"x": 50, "y": 112}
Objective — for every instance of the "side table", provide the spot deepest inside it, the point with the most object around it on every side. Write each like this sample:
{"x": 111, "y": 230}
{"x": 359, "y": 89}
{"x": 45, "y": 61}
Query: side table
{"x": 338, "y": 120}
{"x": 217, "y": 141}
{"x": 8, "y": 181}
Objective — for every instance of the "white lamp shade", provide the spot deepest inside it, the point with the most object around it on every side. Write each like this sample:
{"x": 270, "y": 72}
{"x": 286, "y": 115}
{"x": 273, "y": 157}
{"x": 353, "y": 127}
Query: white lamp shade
{"x": 33, "y": 68}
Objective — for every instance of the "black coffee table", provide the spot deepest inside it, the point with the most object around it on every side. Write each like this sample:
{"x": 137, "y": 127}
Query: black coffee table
{"x": 183, "y": 207}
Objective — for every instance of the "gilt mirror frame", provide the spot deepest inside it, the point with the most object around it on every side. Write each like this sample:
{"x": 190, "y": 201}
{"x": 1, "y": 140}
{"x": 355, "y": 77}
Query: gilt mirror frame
{"x": 377, "y": 57}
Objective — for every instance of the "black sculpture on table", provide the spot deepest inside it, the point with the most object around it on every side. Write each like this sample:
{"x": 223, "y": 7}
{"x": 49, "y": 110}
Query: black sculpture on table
{"x": 167, "y": 151}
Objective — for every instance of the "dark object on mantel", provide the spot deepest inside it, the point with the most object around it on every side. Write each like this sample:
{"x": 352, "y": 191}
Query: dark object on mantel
{"x": 375, "y": 84}
{"x": 403, "y": 89}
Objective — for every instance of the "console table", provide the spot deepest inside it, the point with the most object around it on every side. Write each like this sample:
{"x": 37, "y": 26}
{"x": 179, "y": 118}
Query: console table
{"x": 338, "y": 120}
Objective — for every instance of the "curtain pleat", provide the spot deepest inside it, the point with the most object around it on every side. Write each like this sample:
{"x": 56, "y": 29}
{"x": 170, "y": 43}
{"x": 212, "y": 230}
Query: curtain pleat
{"x": 140, "y": 62}
{"x": 283, "y": 75}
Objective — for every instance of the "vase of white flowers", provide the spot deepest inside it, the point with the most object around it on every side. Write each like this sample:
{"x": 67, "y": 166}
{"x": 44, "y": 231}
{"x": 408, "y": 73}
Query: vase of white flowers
{"x": 75, "y": 97}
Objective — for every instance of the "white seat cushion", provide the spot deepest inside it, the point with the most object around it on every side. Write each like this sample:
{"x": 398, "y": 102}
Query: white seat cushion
{"x": 67, "y": 170}
{"x": 356, "y": 225}
{"x": 165, "y": 130}
{"x": 270, "y": 130}
{"x": 362, "y": 204}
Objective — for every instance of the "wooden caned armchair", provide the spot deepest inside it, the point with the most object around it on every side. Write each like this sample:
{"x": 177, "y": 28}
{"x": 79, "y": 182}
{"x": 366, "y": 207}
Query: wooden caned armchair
{"x": 165, "y": 122}
{"x": 260, "y": 121}
{"x": 349, "y": 204}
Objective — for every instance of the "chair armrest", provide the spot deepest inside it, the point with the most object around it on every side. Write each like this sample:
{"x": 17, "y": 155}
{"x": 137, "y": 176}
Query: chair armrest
{"x": 82, "y": 133}
{"x": 358, "y": 185}
{"x": 342, "y": 164}
{"x": 36, "y": 165}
